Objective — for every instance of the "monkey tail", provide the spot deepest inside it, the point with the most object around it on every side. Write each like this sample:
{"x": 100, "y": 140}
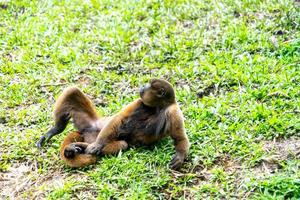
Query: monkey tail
{"x": 69, "y": 154}
{"x": 80, "y": 160}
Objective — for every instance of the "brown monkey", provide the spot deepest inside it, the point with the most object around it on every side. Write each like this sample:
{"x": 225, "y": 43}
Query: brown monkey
{"x": 146, "y": 120}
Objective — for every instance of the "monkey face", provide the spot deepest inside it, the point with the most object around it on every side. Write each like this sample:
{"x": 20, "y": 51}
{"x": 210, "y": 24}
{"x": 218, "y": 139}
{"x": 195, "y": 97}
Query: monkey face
{"x": 157, "y": 93}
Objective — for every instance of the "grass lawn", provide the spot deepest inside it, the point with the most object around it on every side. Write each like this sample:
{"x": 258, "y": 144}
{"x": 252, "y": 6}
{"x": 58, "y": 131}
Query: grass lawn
{"x": 235, "y": 66}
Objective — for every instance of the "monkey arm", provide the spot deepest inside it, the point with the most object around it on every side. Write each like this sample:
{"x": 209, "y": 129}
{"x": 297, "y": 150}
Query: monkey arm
{"x": 179, "y": 137}
{"x": 109, "y": 131}
{"x": 181, "y": 147}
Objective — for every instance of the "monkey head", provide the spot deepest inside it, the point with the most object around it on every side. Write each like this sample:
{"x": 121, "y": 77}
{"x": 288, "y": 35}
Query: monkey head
{"x": 157, "y": 93}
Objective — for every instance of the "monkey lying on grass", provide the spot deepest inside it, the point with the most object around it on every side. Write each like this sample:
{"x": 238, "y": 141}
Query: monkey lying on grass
{"x": 146, "y": 120}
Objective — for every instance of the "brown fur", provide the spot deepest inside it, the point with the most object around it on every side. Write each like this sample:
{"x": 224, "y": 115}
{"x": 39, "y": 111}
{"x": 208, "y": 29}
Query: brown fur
{"x": 78, "y": 159}
{"x": 72, "y": 103}
{"x": 144, "y": 121}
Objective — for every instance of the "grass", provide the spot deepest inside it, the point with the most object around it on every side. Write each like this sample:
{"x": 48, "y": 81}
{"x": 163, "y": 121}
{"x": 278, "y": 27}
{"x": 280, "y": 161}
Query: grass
{"x": 236, "y": 69}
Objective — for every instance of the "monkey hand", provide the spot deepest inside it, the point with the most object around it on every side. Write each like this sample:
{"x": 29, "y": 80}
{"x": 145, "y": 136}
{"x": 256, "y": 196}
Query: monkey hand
{"x": 72, "y": 149}
{"x": 41, "y": 142}
{"x": 177, "y": 161}
{"x": 94, "y": 148}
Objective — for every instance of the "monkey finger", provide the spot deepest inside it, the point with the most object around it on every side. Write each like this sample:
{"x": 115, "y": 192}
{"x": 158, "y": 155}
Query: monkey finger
{"x": 78, "y": 149}
{"x": 93, "y": 149}
{"x": 176, "y": 162}
{"x": 176, "y": 165}
{"x": 174, "y": 158}
{"x": 41, "y": 141}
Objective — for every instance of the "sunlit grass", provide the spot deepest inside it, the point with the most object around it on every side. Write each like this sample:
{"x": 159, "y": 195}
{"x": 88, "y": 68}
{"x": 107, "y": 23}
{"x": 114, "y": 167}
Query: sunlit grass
{"x": 234, "y": 64}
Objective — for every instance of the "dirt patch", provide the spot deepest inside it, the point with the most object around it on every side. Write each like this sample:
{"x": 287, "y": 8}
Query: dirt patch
{"x": 207, "y": 91}
{"x": 200, "y": 175}
{"x": 220, "y": 88}
{"x": 130, "y": 69}
{"x": 277, "y": 150}
{"x": 14, "y": 181}
{"x": 283, "y": 148}
{"x": 22, "y": 180}
{"x": 83, "y": 80}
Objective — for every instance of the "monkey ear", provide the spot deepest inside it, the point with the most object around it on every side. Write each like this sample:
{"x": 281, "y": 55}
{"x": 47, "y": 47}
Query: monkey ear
{"x": 161, "y": 92}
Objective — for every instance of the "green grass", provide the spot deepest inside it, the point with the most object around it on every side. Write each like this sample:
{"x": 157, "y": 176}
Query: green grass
{"x": 235, "y": 66}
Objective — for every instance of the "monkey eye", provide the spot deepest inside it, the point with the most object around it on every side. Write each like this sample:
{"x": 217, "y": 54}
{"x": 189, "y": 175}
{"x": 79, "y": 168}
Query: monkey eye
{"x": 161, "y": 92}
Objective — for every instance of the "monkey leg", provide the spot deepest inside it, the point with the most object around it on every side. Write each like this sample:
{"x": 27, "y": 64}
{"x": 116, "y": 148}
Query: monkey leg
{"x": 72, "y": 103}
{"x": 114, "y": 147}
{"x": 79, "y": 107}
{"x": 60, "y": 125}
